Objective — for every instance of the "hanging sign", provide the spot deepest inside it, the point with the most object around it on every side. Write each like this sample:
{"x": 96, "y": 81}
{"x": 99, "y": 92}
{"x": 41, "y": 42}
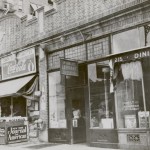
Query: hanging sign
{"x": 69, "y": 67}
{"x": 132, "y": 56}
{"x": 18, "y": 64}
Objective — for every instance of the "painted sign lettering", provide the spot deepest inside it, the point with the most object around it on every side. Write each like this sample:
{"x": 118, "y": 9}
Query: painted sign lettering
{"x": 21, "y": 63}
{"x": 16, "y": 133}
{"x": 132, "y": 56}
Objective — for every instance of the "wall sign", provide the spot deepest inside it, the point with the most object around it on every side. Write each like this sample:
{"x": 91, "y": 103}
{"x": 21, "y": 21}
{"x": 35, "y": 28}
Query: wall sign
{"x": 132, "y": 56}
{"x": 19, "y": 64}
{"x": 16, "y": 133}
{"x": 69, "y": 67}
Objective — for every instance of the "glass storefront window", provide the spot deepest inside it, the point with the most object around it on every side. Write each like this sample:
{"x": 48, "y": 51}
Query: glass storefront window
{"x": 132, "y": 93}
{"x": 131, "y": 80}
{"x": 56, "y": 101}
{"x": 101, "y": 98}
{"x": 10, "y": 107}
{"x": 72, "y": 81}
{"x": 19, "y": 106}
{"x": 5, "y": 107}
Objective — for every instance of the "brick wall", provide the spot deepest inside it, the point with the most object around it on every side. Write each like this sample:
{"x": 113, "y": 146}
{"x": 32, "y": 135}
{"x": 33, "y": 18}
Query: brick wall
{"x": 69, "y": 14}
{"x": 10, "y": 27}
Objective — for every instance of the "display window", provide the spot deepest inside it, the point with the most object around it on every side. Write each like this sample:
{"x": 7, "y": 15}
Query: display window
{"x": 19, "y": 106}
{"x": 12, "y": 106}
{"x": 57, "y": 116}
{"x": 131, "y": 80}
{"x": 102, "y": 114}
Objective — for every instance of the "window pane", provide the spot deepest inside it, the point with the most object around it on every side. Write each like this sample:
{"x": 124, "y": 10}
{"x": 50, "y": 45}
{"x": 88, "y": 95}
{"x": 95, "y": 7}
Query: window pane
{"x": 54, "y": 60}
{"x": 56, "y": 101}
{"x": 80, "y": 80}
{"x": 5, "y": 107}
{"x": 126, "y": 41}
{"x": 19, "y": 108}
{"x": 129, "y": 93}
{"x": 101, "y": 100}
{"x": 76, "y": 53}
{"x": 98, "y": 48}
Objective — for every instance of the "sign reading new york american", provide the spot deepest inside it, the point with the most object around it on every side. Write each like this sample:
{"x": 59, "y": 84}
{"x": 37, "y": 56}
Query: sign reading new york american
{"x": 18, "y": 64}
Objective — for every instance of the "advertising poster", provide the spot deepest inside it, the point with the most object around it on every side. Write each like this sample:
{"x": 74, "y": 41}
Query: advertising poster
{"x": 18, "y": 64}
{"x": 16, "y": 133}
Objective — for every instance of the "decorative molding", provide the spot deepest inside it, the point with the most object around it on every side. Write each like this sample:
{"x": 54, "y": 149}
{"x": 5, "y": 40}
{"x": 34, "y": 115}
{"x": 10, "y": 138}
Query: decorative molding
{"x": 50, "y": 12}
{"x": 147, "y": 31}
{"x": 40, "y": 9}
{"x": 58, "y": 1}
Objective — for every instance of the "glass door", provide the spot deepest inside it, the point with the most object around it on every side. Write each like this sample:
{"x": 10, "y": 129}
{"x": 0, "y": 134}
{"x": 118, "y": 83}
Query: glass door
{"x": 77, "y": 120}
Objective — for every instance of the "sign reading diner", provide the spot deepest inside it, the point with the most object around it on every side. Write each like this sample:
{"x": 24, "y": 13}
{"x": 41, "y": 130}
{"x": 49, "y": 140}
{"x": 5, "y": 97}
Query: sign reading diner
{"x": 132, "y": 56}
{"x": 18, "y": 64}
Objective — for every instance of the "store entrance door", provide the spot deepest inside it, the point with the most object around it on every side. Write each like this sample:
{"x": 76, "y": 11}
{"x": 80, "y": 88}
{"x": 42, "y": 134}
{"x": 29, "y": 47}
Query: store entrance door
{"x": 76, "y": 97}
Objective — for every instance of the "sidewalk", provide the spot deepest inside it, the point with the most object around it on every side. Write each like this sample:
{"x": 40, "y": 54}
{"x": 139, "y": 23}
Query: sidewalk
{"x": 48, "y": 146}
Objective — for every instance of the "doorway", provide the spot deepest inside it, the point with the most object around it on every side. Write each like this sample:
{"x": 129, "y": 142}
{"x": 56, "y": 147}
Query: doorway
{"x": 76, "y": 97}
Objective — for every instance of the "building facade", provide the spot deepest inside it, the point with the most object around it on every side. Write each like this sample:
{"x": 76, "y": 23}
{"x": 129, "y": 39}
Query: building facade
{"x": 21, "y": 7}
{"x": 92, "y": 61}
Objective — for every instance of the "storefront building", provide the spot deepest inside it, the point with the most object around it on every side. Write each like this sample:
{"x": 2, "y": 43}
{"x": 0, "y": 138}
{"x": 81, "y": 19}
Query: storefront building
{"x": 89, "y": 90}
{"x": 124, "y": 107}
{"x": 98, "y": 90}
{"x": 18, "y": 102}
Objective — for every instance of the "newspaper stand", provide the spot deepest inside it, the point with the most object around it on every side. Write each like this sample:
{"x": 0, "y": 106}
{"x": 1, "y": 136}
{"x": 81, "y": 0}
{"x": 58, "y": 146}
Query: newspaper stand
{"x": 13, "y": 130}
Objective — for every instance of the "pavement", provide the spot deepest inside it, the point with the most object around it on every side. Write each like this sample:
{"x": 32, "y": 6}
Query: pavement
{"x": 48, "y": 146}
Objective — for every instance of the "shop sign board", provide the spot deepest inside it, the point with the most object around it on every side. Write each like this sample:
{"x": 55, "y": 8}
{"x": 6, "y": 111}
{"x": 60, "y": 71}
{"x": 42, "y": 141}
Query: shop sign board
{"x": 132, "y": 56}
{"x": 131, "y": 105}
{"x": 18, "y": 64}
{"x": 2, "y": 132}
{"x": 69, "y": 67}
{"x": 16, "y": 133}
{"x": 130, "y": 121}
{"x": 144, "y": 119}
